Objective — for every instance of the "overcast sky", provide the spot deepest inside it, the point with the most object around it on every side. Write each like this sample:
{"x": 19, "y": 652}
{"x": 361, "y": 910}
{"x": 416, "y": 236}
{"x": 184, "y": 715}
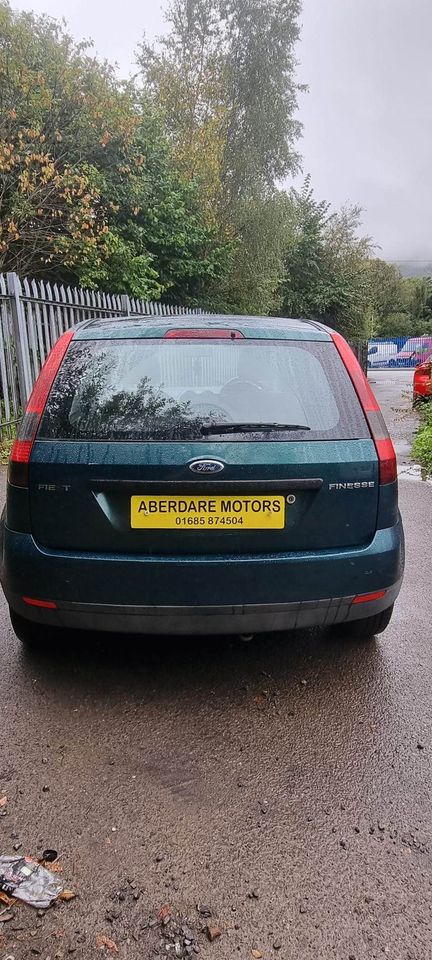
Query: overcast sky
{"x": 368, "y": 114}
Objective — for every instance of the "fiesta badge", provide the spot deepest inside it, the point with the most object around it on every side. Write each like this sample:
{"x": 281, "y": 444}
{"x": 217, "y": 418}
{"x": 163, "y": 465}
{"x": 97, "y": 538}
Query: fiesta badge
{"x": 206, "y": 466}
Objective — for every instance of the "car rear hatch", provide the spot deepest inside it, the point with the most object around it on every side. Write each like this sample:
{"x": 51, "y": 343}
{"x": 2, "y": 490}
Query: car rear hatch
{"x": 201, "y": 443}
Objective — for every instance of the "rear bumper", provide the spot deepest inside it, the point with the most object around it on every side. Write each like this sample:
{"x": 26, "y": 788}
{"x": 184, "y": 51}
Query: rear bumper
{"x": 226, "y": 594}
{"x": 423, "y": 391}
{"x": 249, "y": 618}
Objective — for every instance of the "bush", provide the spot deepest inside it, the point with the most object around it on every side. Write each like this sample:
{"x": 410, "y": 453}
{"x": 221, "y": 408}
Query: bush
{"x": 422, "y": 446}
{"x": 5, "y": 449}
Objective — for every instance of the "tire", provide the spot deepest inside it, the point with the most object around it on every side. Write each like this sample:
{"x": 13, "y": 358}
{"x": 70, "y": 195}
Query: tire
{"x": 366, "y": 629}
{"x": 32, "y": 635}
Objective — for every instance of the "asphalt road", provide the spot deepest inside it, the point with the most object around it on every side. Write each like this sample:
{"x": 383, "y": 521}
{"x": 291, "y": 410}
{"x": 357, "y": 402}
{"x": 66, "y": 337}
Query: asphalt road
{"x": 285, "y": 784}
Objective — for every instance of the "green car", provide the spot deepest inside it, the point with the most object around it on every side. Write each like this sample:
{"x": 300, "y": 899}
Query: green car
{"x": 201, "y": 475}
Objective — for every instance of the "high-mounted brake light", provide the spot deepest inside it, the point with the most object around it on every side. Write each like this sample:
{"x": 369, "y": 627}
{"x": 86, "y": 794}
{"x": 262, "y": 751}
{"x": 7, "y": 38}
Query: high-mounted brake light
{"x": 21, "y": 450}
{"x": 208, "y": 333}
{"x": 383, "y": 443}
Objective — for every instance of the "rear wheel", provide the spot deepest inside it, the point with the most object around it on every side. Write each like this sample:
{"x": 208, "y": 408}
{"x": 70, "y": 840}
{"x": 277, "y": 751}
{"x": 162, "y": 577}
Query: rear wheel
{"x": 31, "y": 634}
{"x": 367, "y": 628}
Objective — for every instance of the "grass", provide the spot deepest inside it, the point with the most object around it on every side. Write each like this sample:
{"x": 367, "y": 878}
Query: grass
{"x": 7, "y": 427}
{"x": 5, "y": 449}
{"x": 422, "y": 446}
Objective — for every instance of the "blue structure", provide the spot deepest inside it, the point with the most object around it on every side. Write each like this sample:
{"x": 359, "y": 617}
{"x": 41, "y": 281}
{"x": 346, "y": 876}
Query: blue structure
{"x": 398, "y": 351}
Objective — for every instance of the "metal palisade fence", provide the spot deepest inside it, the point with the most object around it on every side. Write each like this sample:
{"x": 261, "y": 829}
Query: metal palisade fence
{"x": 398, "y": 351}
{"x": 33, "y": 315}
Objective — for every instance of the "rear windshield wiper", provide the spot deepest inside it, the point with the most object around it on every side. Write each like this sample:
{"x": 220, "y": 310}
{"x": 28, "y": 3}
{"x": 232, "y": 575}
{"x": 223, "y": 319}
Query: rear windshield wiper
{"x": 207, "y": 429}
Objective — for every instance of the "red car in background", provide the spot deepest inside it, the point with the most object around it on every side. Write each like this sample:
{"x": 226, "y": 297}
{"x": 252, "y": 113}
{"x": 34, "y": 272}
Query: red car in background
{"x": 422, "y": 384}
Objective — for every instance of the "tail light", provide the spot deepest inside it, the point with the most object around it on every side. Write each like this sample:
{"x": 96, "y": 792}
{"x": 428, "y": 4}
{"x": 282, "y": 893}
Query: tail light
{"x": 21, "y": 450}
{"x": 423, "y": 378}
{"x": 383, "y": 444}
{"x": 208, "y": 333}
{"x": 45, "y": 604}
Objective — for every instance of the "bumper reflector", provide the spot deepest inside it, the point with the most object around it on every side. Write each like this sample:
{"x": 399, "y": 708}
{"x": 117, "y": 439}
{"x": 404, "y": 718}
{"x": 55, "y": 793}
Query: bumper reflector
{"x": 367, "y": 597}
{"x": 33, "y": 602}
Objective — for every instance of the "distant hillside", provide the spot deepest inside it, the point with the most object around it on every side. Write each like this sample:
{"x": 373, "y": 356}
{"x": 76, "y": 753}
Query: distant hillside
{"x": 415, "y": 268}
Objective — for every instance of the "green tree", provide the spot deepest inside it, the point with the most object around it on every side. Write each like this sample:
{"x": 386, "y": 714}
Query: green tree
{"x": 224, "y": 76}
{"x": 395, "y": 325}
{"x": 61, "y": 118}
{"x": 89, "y": 190}
{"x": 159, "y": 242}
{"x": 386, "y": 288}
{"x": 251, "y": 282}
{"x": 398, "y": 306}
{"x": 325, "y": 263}
{"x": 417, "y": 296}
{"x": 224, "y": 79}
{"x": 184, "y": 73}
{"x": 261, "y": 94}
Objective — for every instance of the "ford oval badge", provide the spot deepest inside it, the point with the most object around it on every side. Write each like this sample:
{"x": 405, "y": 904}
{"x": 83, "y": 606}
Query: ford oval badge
{"x": 206, "y": 466}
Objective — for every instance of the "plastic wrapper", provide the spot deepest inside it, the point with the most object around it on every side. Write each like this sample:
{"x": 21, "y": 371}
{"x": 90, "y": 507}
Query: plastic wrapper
{"x": 26, "y": 880}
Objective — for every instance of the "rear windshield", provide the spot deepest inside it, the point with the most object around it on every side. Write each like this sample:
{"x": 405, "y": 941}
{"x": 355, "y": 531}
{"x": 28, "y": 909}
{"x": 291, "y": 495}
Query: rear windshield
{"x": 181, "y": 389}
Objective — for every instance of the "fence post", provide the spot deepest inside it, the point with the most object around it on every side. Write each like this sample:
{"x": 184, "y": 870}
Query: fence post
{"x": 125, "y": 305}
{"x": 20, "y": 337}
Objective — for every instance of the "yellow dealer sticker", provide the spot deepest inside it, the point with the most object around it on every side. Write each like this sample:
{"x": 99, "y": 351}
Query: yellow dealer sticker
{"x": 224, "y": 512}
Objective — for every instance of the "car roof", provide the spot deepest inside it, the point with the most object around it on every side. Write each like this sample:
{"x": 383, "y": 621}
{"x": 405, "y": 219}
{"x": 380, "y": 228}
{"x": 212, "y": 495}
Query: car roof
{"x": 138, "y": 327}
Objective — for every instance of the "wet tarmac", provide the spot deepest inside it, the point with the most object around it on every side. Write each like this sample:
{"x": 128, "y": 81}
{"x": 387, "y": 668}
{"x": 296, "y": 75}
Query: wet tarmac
{"x": 394, "y": 391}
